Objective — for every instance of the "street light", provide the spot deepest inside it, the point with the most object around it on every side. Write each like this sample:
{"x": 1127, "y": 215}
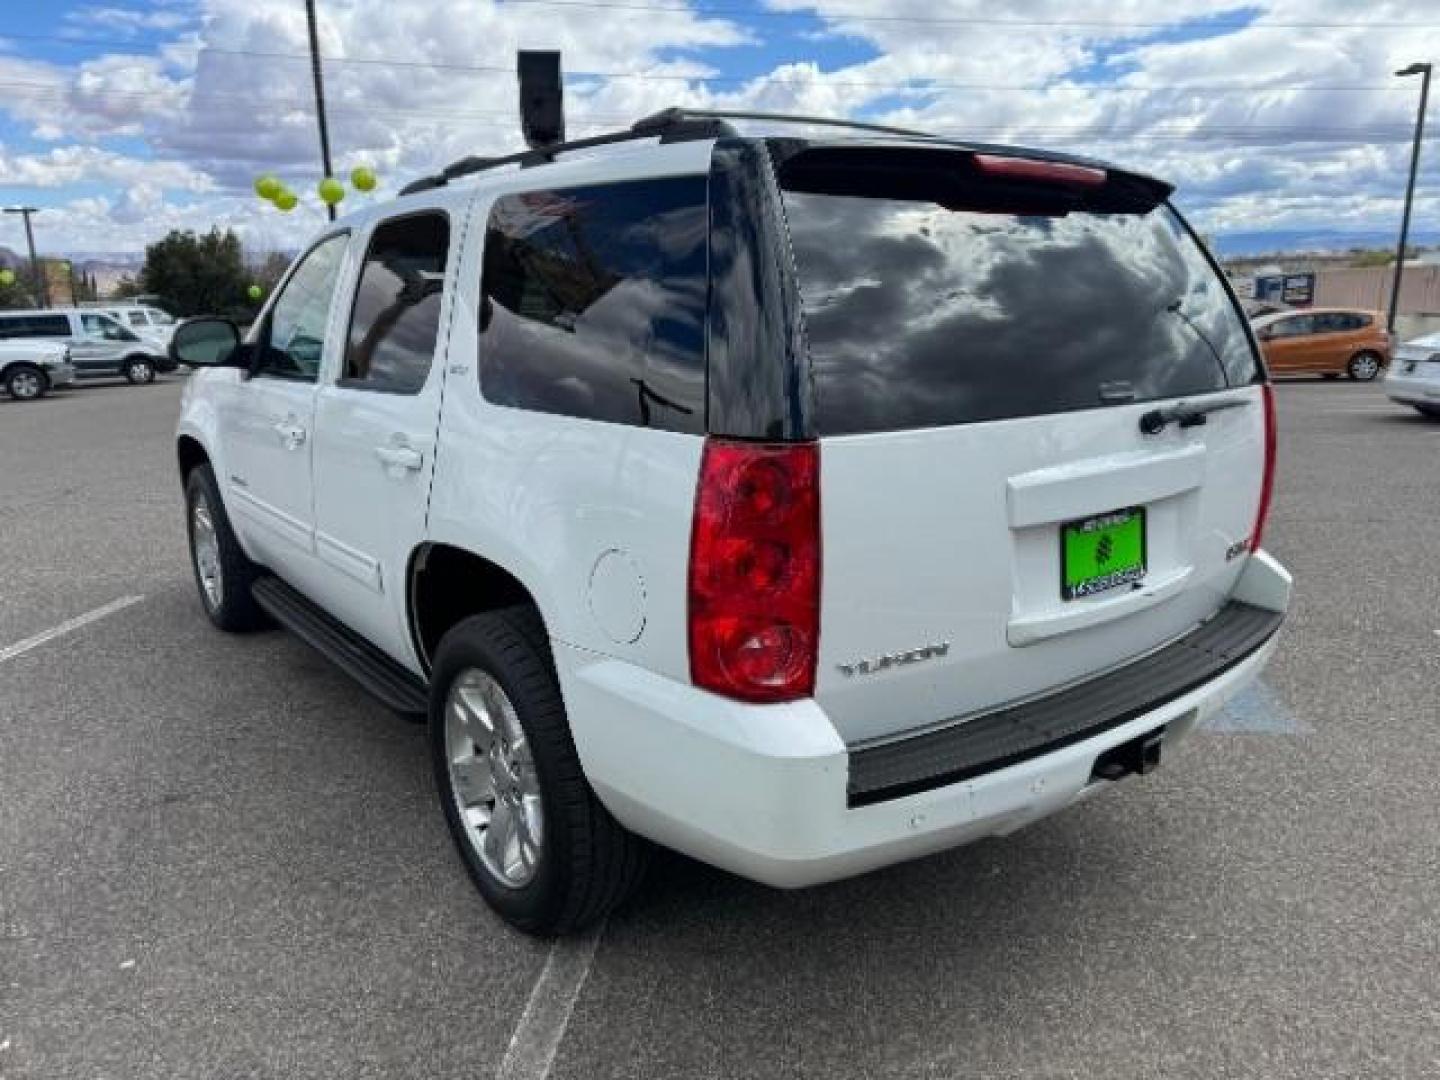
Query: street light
{"x": 37, "y": 280}
{"x": 1423, "y": 70}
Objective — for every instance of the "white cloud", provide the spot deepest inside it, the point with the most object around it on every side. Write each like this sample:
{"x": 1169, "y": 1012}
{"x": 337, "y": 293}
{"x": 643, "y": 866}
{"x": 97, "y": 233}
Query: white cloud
{"x": 216, "y": 105}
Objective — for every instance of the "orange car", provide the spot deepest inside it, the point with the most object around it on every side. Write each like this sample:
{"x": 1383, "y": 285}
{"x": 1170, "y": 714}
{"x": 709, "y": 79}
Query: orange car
{"x": 1325, "y": 341}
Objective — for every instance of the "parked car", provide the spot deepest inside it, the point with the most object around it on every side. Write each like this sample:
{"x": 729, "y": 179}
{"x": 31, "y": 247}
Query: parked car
{"x": 1325, "y": 341}
{"x": 1414, "y": 378}
{"x": 31, "y": 369}
{"x": 683, "y": 523}
{"x": 151, "y": 323}
{"x": 99, "y": 346}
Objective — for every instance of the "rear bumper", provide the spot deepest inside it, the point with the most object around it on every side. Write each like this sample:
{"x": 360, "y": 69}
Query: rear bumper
{"x": 766, "y": 791}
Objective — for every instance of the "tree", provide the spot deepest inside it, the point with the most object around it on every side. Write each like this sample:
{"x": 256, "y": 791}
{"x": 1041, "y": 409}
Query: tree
{"x": 197, "y": 275}
{"x": 126, "y": 287}
{"x": 20, "y": 294}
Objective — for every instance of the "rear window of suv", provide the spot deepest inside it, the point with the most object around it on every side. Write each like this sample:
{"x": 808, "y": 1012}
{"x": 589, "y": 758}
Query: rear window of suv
{"x": 930, "y": 303}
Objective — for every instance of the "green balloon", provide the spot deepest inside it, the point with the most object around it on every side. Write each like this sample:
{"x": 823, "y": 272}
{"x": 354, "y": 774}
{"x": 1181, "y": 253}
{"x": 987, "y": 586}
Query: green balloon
{"x": 267, "y": 187}
{"x": 254, "y": 292}
{"x": 286, "y": 201}
{"x": 363, "y": 178}
{"x": 7, "y": 278}
{"x": 331, "y": 190}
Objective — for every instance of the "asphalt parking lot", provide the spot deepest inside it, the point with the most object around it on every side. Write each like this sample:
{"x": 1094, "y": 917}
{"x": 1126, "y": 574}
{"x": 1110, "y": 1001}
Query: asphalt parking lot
{"x": 219, "y": 858}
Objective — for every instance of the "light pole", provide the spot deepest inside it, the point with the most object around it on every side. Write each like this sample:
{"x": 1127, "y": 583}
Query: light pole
{"x": 319, "y": 95}
{"x": 37, "y": 280}
{"x": 1422, "y": 70}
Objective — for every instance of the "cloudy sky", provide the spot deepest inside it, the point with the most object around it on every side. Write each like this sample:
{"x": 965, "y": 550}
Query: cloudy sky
{"x": 125, "y": 119}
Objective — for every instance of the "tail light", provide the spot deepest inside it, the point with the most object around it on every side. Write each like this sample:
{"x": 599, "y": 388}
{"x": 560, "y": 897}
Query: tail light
{"x": 1050, "y": 172}
{"x": 754, "y": 591}
{"x": 1267, "y": 482}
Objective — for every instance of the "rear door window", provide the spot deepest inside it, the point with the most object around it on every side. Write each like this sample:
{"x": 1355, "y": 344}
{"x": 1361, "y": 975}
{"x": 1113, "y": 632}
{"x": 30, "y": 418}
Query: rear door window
{"x": 35, "y": 326}
{"x": 928, "y": 308}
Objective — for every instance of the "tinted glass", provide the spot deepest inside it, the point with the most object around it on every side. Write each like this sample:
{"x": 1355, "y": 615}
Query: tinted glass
{"x": 295, "y": 344}
{"x": 1295, "y": 326}
{"x": 105, "y": 327}
{"x": 923, "y": 316}
{"x": 28, "y": 326}
{"x": 594, "y": 302}
{"x": 137, "y": 318}
{"x": 397, "y": 305}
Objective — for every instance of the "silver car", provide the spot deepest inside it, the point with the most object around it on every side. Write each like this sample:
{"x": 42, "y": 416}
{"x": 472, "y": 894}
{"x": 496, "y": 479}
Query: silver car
{"x": 100, "y": 346}
{"x": 30, "y": 369}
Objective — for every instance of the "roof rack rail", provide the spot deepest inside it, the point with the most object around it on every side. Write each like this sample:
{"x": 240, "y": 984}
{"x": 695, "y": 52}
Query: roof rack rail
{"x": 677, "y": 115}
{"x": 671, "y": 125}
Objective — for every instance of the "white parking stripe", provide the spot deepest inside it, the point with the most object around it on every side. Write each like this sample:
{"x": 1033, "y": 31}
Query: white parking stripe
{"x": 547, "y": 1013}
{"x": 12, "y": 651}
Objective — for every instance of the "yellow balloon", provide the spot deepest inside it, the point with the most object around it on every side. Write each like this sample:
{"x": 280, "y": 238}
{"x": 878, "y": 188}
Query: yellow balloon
{"x": 331, "y": 190}
{"x": 286, "y": 201}
{"x": 7, "y": 278}
{"x": 363, "y": 178}
{"x": 267, "y": 187}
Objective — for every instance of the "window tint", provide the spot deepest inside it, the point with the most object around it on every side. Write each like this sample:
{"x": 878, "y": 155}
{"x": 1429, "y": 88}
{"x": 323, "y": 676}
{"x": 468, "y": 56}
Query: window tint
{"x": 923, "y": 315}
{"x": 34, "y": 326}
{"x": 396, "y": 317}
{"x": 594, "y": 302}
{"x": 104, "y": 327}
{"x": 1295, "y": 326}
{"x": 295, "y": 343}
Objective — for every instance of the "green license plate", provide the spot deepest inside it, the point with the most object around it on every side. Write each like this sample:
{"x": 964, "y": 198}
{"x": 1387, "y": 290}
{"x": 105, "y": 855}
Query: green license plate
{"x": 1101, "y": 553}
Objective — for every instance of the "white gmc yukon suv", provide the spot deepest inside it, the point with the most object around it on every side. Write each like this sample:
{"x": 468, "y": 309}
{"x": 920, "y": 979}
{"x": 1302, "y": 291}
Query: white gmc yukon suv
{"x": 801, "y": 505}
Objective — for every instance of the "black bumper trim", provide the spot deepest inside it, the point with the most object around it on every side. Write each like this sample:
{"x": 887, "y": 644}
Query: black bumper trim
{"x": 994, "y": 740}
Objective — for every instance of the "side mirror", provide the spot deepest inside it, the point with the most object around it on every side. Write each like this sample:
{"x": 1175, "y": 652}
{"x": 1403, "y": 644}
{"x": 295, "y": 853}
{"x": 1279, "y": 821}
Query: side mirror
{"x": 205, "y": 342}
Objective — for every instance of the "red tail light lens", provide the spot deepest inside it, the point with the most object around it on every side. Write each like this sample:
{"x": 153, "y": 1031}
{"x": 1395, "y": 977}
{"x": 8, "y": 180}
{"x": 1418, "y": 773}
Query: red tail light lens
{"x": 1267, "y": 482}
{"x": 754, "y": 622}
{"x": 1051, "y": 172}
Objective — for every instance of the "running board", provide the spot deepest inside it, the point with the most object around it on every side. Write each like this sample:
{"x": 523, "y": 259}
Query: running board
{"x": 347, "y": 650}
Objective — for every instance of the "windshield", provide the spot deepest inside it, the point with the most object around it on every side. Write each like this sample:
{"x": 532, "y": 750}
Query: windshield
{"x": 928, "y": 316}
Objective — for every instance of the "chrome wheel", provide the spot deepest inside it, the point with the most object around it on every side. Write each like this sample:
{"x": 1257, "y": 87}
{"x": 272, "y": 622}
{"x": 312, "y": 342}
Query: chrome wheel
{"x": 1364, "y": 367}
{"x": 206, "y": 546}
{"x": 25, "y": 385}
{"x": 493, "y": 779}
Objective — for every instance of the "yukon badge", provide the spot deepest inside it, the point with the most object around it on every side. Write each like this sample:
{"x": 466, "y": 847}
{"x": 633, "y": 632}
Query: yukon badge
{"x": 871, "y": 665}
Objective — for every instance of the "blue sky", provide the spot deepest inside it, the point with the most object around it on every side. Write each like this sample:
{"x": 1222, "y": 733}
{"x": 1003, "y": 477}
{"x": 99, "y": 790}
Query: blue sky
{"x": 124, "y": 119}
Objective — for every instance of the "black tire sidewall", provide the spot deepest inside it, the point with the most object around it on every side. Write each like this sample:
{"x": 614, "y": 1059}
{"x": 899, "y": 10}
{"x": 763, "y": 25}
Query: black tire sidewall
{"x": 237, "y": 610}
{"x": 132, "y": 363}
{"x": 26, "y": 369}
{"x": 481, "y": 642}
{"x": 1350, "y": 367}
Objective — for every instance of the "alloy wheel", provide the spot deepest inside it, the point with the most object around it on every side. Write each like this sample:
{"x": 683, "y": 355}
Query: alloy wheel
{"x": 493, "y": 778}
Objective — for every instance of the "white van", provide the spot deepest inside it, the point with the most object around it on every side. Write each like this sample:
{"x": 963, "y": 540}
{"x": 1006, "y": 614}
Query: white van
{"x": 100, "y": 346}
{"x": 149, "y": 322}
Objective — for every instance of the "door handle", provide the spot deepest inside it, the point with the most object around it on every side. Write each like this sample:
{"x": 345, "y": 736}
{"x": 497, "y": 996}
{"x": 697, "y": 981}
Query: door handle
{"x": 292, "y": 435}
{"x": 397, "y": 455}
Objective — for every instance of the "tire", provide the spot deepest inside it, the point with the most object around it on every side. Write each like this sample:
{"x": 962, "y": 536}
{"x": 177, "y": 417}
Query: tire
{"x": 225, "y": 596}
{"x": 1364, "y": 366}
{"x": 1432, "y": 411}
{"x": 582, "y": 863}
{"x": 139, "y": 370}
{"x": 26, "y": 382}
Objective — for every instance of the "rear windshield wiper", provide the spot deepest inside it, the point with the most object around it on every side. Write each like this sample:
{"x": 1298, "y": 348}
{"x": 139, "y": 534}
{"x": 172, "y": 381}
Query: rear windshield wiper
{"x": 1156, "y": 420}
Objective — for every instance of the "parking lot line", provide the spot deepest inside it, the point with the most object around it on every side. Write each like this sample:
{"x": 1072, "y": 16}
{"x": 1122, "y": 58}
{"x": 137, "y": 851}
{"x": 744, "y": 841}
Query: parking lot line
{"x": 34, "y": 642}
{"x": 547, "y": 1014}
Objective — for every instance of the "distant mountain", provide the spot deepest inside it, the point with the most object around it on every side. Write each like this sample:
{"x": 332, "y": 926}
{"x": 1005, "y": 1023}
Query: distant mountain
{"x": 1293, "y": 241}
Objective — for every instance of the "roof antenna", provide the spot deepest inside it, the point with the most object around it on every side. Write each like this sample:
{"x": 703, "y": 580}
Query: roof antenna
{"x": 542, "y": 98}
